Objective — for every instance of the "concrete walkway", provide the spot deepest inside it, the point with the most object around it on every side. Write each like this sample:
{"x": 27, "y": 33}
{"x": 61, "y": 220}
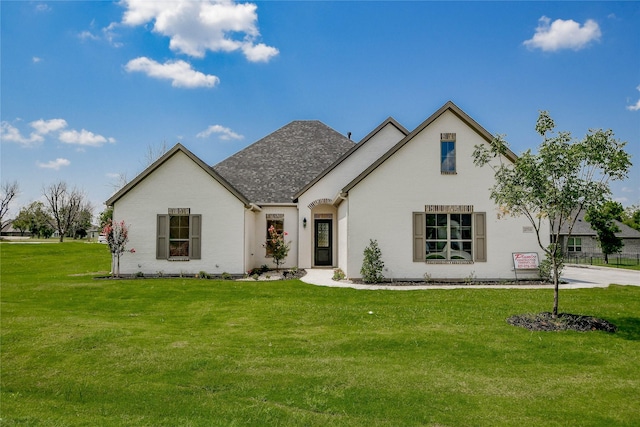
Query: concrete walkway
{"x": 576, "y": 277}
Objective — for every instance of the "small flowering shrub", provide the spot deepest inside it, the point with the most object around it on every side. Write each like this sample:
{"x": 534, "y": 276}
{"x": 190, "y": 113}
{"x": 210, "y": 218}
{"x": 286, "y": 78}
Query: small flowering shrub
{"x": 277, "y": 247}
{"x": 117, "y": 235}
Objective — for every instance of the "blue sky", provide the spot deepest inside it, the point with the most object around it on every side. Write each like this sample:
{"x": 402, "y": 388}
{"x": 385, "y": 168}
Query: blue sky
{"x": 87, "y": 87}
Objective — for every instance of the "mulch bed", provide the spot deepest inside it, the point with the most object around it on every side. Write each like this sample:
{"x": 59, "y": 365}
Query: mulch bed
{"x": 563, "y": 322}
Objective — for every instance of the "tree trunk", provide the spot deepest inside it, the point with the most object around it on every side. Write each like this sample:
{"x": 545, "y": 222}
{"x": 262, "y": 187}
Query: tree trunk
{"x": 556, "y": 281}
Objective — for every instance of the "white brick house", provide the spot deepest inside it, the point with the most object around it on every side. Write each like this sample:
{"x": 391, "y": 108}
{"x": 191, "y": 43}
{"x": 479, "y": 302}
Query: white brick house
{"x": 417, "y": 193}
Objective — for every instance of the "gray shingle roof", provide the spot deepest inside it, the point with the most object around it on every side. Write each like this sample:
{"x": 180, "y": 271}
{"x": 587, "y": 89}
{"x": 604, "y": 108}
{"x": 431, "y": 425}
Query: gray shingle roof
{"x": 272, "y": 169}
{"x": 583, "y": 228}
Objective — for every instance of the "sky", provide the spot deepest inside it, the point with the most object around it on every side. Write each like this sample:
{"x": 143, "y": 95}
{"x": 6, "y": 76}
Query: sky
{"x": 88, "y": 88}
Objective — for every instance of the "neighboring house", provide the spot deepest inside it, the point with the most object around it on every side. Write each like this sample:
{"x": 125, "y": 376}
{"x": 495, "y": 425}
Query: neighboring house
{"x": 417, "y": 193}
{"x": 10, "y": 231}
{"x": 584, "y": 239}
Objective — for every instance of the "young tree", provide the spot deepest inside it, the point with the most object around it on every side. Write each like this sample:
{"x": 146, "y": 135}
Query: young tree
{"x": 277, "y": 247}
{"x": 563, "y": 179}
{"x": 64, "y": 206}
{"x": 602, "y": 221}
{"x": 117, "y": 235}
{"x": 8, "y": 191}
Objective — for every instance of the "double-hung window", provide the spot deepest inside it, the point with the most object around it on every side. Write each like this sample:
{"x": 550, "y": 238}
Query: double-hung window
{"x": 179, "y": 235}
{"x": 574, "y": 244}
{"x": 448, "y": 153}
{"x": 445, "y": 233}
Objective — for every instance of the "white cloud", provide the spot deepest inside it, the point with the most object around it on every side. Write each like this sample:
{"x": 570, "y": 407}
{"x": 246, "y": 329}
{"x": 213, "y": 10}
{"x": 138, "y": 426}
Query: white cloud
{"x": 9, "y": 133}
{"x": 179, "y": 72}
{"x": 43, "y": 127}
{"x": 36, "y": 59}
{"x": 43, "y": 7}
{"x": 84, "y": 138}
{"x": 561, "y": 34}
{"x": 636, "y": 106}
{"x": 54, "y": 164}
{"x": 224, "y": 133}
{"x": 195, "y": 27}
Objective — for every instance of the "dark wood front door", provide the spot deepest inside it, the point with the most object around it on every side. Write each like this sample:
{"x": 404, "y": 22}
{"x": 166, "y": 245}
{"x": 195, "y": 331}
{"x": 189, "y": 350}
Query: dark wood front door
{"x": 323, "y": 250}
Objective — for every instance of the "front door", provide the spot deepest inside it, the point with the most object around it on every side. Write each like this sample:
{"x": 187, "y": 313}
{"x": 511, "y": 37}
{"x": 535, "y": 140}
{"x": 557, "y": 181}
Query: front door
{"x": 323, "y": 250}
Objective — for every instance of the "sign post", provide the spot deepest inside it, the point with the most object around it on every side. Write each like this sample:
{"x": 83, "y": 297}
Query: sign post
{"x": 525, "y": 261}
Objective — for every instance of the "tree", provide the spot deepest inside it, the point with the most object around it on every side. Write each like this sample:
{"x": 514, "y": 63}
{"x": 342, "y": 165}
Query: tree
{"x": 81, "y": 225}
{"x": 8, "y": 191}
{"x": 64, "y": 205}
{"x": 35, "y": 218}
{"x": 106, "y": 216}
{"x": 602, "y": 220}
{"x": 631, "y": 217}
{"x": 565, "y": 178}
{"x": 277, "y": 247}
{"x": 117, "y": 235}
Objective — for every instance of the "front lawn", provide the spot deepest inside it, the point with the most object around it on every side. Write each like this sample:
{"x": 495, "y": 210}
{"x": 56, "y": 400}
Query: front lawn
{"x": 187, "y": 352}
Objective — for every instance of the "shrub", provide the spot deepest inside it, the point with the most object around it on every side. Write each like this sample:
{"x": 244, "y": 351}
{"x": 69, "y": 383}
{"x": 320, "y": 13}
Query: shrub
{"x": 338, "y": 274}
{"x": 226, "y": 276}
{"x": 372, "y": 265}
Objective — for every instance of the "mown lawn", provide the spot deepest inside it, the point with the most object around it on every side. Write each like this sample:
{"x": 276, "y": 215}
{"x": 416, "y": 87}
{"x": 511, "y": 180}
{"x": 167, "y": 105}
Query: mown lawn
{"x": 188, "y": 352}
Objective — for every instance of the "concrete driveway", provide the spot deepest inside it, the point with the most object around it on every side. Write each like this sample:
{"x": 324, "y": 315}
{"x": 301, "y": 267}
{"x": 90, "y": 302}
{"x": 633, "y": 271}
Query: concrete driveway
{"x": 589, "y": 276}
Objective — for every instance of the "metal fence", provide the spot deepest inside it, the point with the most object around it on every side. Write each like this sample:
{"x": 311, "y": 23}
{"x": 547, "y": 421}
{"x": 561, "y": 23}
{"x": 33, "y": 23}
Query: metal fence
{"x": 597, "y": 258}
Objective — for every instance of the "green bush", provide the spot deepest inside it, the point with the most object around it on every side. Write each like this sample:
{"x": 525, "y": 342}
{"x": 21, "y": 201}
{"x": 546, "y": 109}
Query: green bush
{"x": 338, "y": 274}
{"x": 372, "y": 265}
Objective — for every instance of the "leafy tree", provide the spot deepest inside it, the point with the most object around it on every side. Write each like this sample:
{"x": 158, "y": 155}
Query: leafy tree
{"x": 34, "y": 218}
{"x": 602, "y": 219}
{"x": 565, "y": 178}
{"x": 631, "y": 217}
{"x": 106, "y": 216}
{"x": 81, "y": 225}
{"x": 8, "y": 191}
{"x": 64, "y": 205}
{"x": 372, "y": 264}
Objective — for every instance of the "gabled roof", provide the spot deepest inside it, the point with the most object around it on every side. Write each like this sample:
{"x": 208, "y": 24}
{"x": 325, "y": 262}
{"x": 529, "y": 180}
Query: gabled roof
{"x": 272, "y": 169}
{"x": 583, "y": 228}
{"x": 449, "y": 106}
{"x": 389, "y": 121}
{"x": 178, "y": 148}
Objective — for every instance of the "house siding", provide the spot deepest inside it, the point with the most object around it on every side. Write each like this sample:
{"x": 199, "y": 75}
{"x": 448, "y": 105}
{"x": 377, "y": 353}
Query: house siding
{"x": 328, "y": 187}
{"x": 180, "y": 183}
{"x": 381, "y": 207}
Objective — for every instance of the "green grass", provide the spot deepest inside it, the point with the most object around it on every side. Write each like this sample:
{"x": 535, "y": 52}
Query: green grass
{"x": 188, "y": 352}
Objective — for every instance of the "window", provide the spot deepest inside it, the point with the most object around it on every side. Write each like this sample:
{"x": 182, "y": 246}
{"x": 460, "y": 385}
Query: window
{"x": 448, "y": 153}
{"x": 276, "y": 221}
{"x": 449, "y": 236}
{"x": 178, "y": 235}
{"x": 574, "y": 244}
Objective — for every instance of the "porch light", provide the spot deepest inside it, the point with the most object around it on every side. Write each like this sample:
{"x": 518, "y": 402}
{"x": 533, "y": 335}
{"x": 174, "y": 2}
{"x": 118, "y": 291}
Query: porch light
{"x": 304, "y": 222}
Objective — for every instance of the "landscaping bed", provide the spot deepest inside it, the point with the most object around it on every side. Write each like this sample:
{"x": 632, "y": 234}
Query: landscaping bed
{"x": 563, "y": 322}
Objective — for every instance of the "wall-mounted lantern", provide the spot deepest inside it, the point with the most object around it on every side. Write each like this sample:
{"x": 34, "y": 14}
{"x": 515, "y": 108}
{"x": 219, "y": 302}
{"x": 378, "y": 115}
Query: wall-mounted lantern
{"x": 304, "y": 222}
